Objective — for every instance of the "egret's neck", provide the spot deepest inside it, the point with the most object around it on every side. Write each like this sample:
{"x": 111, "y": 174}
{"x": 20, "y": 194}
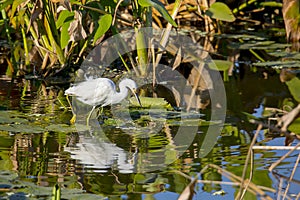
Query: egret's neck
{"x": 119, "y": 96}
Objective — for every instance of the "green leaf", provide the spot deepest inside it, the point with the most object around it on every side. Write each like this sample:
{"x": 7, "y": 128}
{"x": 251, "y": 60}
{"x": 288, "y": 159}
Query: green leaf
{"x": 160, "y": 8}
{"x": 294, "y": 86}
{"x": 295, "y": 126}
{"x": 145, "y": 3}
{"x": 220, "y": 11}
{"x": 4, "y": 4}
{"x": 104, "y": 24}
{"x": 220, "y": 65}
{"x": 64, "y": 36}
{"x": 16, "y": 3}
{"x": 63, "y": 22}
{"x": 64, "y": 16}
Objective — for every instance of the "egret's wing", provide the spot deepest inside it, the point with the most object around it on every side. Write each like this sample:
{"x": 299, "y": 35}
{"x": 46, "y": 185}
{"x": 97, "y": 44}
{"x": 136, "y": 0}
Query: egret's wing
{"x": 80, "y": 88}
{"x": 92, "y": 92}
{"x": 106, "y": 89}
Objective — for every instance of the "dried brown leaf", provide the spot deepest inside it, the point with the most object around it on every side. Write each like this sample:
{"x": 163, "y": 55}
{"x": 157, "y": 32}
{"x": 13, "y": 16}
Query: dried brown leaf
{"x": 177, "y": 59}
{"x": 37, "y": 10}
{"x": 76, "y": 30}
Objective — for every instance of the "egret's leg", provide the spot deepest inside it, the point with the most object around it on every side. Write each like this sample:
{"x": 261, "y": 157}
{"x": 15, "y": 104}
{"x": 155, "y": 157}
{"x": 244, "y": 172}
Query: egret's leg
{"x": 73, "y": 119}
{"x": 89, "y": 116}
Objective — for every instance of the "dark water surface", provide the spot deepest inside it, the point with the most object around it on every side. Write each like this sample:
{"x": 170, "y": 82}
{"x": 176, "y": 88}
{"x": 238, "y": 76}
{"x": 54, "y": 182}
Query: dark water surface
{"x": 38, "y": 148}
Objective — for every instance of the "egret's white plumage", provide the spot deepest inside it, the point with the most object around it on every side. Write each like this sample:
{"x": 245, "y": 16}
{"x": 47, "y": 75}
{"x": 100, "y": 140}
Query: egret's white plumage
{"x": 101, "y": 91}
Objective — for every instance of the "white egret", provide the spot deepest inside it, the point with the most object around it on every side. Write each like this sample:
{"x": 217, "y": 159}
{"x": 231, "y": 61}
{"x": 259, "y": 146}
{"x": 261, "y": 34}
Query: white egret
{"x": 101, "y": 92}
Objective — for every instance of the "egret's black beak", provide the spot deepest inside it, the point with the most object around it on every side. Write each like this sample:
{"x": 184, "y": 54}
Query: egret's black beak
{"x": 136, "y": 96}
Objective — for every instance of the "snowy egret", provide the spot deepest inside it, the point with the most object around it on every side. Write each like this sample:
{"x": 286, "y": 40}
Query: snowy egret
{"x": 101, "y": 92}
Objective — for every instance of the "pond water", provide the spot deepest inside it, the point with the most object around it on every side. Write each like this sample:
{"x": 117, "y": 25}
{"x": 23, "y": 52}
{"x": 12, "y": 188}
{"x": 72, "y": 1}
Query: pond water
{"x": 38, "y": 148}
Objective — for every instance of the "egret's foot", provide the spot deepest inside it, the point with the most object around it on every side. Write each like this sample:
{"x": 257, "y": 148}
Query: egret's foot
{"x": 73, "y": 119}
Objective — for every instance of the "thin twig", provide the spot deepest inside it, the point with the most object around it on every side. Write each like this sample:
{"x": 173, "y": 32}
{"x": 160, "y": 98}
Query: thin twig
{"x": 298, "y": 196}
{"x": 251, "y": 174}
{"x": 276, "y": 129}
{"x": 115, "y": 14}
{"x": 279, "y": 188}
{"x": 285, "y": 177}
{"x": 182, "y": 174}
{"x": 283, "y": 157}
{"x": 235, "y": 184}
{"x": 242, "y": 188}
{"x": 218, "y": 182}
{"x": 226, "y": 173}
{"x": 188, "y": 192}
{"x": 275, "y": 148}
{"x": 231, "y": 176}
{"x": 291, "y": 177}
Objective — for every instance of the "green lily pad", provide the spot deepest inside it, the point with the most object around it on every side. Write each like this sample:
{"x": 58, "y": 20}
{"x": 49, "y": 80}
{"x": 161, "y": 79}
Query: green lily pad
{"x": 150, "y": 102}
{"x": 6, "y": 120}
{"x": 271, "y": 4}
{"x": 285, "y": 54}
{"x": 62, "y": 128}
{"x": 266, "y": 45}
{"x": 21, "y": 128}
{"x": 7, "y": 117}
{"x": 278, "y": 64}
{"x": 244, "y": 37}
{"x": 104, "y": 25}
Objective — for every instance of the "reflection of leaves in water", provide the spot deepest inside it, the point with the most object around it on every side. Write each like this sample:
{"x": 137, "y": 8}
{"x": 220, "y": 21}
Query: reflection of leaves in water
{"x": 229, "y": 130}
{"x": 156, "y": 185}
